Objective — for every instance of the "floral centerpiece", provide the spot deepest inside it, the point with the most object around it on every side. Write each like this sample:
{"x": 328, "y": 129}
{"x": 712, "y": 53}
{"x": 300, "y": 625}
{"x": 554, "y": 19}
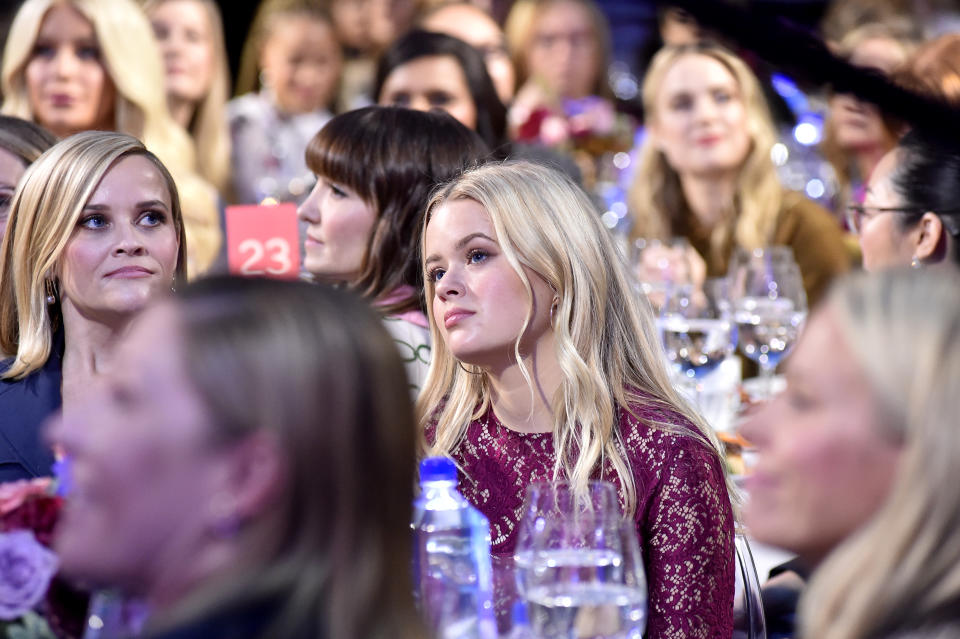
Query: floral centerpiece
{"x": 34, "y": 603}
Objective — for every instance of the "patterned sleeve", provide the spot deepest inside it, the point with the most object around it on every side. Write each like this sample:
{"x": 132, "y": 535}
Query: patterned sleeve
{"x": 688, "y": 543}
{"x": 413, "y": 345}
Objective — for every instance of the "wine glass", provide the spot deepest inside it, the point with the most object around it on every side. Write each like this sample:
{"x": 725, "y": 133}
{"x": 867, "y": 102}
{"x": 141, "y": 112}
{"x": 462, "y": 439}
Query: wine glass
{"x": 571, "y": 563}
{"x": 769, "y": 304}
{"x": 697, "y": 328}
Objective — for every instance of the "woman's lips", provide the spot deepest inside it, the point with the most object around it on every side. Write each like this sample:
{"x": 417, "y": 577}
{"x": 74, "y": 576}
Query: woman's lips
{"x": 454, "y": 317}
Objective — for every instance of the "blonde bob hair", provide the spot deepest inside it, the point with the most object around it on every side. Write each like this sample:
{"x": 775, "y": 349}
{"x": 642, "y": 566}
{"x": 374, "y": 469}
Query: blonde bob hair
{"x": 656, "y": 198}
{"x": 130, "y": 56}
{"x": 43, "y": 216}
{"x": 901, "y": 570}
{"x": 608, "y": 350}
{"x": 208, "y": 126}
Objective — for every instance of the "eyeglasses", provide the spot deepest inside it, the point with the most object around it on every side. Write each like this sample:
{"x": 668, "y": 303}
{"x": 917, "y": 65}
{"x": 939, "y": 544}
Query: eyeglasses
{"x": 858, "y": 215}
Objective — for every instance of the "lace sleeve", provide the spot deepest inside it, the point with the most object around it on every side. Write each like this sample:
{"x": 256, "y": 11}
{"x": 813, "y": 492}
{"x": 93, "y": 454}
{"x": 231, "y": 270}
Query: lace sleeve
{"x": 688, "y": 547}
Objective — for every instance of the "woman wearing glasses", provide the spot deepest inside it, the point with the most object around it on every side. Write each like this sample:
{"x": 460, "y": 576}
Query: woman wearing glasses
{"x": 910, "y": 214}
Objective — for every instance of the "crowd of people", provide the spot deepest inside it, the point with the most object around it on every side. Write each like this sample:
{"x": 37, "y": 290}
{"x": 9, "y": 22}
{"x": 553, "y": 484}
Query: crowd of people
{"x": 239, "y": 453}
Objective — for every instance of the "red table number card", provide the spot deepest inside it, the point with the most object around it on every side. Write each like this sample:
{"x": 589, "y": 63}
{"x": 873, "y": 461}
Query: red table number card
{"x": 263, "y": 240}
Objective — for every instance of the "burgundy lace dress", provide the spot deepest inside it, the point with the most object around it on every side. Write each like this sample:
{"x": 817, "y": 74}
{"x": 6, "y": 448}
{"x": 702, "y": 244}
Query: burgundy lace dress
{"x": 684, "y": 517}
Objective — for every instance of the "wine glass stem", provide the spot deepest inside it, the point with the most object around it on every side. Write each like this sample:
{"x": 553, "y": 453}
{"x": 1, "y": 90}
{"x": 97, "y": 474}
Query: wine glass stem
{"x": 766, "y": 374}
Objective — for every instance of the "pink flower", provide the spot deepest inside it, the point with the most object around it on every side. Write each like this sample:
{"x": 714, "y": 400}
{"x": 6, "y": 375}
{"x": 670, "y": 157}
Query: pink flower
{"x": 12, "y": 494}
{"x": 26, "y": 568}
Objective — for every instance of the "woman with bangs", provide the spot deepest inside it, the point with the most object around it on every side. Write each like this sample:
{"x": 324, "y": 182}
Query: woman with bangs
{"x": 375, "y": 170}
{"x": 79, "y": 65}
{"x": 547, "y": 366}
{"x": 705, "y": 171}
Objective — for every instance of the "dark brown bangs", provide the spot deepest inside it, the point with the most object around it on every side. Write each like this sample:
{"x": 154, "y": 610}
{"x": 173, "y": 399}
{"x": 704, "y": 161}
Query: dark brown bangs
{"x": 339, "y": 154}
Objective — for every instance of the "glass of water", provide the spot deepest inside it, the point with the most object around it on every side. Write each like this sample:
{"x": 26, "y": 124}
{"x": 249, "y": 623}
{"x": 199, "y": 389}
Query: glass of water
{"x": 575, "y": 569}
{"x": 770, "y": 306}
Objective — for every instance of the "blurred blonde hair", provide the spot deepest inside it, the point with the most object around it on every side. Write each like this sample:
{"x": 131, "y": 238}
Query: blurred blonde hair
{"x": 132, "y": 58}
{"x": 43, "y": 216}
{"x": 901, "y": 570}
{"x": 519, "y": 30}
{"x": 656, "y": 197}
{"x": 208, "y": 126}
{"x": 608, "y": 349}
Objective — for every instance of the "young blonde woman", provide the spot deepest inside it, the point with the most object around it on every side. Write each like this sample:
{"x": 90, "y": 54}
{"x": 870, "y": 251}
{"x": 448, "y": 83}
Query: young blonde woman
{"x": 705, "y": 172}
{"x": 190, "y": 35}
{"x": 855, "y": 458}
{"x": 95, "y": 231}
{"x": 546, "y": 366}
{"x": 77, "y": 65}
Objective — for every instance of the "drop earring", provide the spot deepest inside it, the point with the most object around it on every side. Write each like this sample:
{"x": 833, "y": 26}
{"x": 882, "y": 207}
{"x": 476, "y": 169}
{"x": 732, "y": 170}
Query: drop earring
{"x": 51, "y": 292}
{"x": 915, "y": 262}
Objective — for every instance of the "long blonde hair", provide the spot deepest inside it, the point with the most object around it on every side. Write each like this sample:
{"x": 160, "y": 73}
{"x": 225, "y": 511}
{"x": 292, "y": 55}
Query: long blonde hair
{"x": 43, "y": 215}
{"x": 208, "y": 126}
{"x": 902, "y": 568}
{"x": 132, "y": 59}
{"x": 608, "y": 350}
{"x": 656, "y": 198}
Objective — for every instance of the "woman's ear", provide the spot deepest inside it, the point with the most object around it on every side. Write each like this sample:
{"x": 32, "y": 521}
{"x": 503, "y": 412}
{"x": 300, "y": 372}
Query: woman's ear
{"x": 931, "y": 240}
{"x": 257, "y": 473}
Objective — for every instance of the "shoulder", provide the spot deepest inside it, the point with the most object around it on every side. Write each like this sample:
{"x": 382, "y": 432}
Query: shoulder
{"x": 250, "y": 107}
{"x": 25, "y": 404}
{"x": 664, "y": 446}
{"x": 798, "y": 212}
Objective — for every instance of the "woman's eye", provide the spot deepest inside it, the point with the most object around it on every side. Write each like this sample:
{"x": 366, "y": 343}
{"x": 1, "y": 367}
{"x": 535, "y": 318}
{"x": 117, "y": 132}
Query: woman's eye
{"x": 435, "y": 275}
{"x": 477, "y": 256}
{"x": 95, "y": 221}
{"x": 722, "y": 96}
{"x": 681, "y": 103}
{"x": 153, "y": 218}
{"x": 399, "y": 99}
{"x": 43, "y": 51}
{"x": 337, "y": 191}
{"x": 88, "y": 53}
{"x": 439, "y": 99}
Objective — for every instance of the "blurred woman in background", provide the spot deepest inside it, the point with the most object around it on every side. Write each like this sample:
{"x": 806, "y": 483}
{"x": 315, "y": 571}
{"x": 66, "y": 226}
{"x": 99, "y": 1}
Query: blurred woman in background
{"x": 424, "y": 70}
{"x": 705, "y": 172}
{"x": 911, "y": 212}
{"x": 291, "y": 67}
{"x": 375, "y": 170}
{"x": 271, "y": 502}
{"x": 77, "y": 65}
{"x": 477, "y": 28}
{"x": 21, "y": 142}
{"x": 190, "y": 35}
{"x": 856, "y": 133}
{"x": 855, "y": 454}
{"x": 95, "y": 231}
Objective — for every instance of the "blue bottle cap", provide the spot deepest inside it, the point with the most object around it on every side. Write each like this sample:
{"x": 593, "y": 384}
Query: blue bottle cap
{"x": 438, "y": 469}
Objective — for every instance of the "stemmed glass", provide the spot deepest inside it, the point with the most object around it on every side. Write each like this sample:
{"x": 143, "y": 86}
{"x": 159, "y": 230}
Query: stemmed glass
{"x": 698, "y": 331}
{"x": 770, "y": 306}
{"x": 575, "y": 568}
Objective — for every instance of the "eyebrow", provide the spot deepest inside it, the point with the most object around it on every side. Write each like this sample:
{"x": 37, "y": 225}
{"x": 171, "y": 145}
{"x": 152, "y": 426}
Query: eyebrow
{"x": 145, "y": 204}
{"x": 462, "y": 243}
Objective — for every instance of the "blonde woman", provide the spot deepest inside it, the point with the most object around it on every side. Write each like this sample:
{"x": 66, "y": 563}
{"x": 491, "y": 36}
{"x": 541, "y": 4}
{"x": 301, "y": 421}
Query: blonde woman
{"x": 546, "y": 366}
{"x": 76, "y": 65}
{"x": 705, "y": 171}
{"x": 95, "y": 231}
{"x": 190, "y": 35}
{"x": 857, "y": 460}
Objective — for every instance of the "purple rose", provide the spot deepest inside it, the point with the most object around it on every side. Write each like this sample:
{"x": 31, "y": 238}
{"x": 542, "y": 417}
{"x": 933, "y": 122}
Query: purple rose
{"x": 26, "y": 568}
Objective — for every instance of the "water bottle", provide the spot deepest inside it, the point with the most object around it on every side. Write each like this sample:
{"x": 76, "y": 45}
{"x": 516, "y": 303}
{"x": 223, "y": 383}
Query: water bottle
{"x": 452, "y": 568}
